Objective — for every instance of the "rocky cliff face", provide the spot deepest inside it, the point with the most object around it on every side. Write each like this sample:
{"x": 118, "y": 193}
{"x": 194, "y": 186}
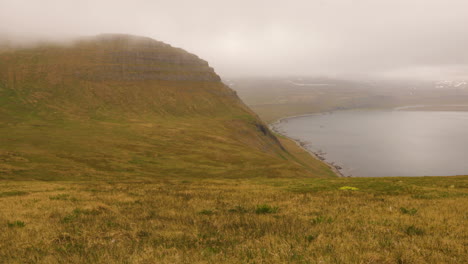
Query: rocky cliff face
{"x": 112, "y": 57}
{"x": 130, "y": 58}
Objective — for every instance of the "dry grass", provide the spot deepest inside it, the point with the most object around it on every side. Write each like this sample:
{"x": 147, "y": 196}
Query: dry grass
{"x": 388, "y": 220}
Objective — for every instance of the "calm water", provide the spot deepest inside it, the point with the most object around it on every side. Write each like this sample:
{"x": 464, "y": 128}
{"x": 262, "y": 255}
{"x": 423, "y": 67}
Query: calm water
{"x": 386, "y": 143}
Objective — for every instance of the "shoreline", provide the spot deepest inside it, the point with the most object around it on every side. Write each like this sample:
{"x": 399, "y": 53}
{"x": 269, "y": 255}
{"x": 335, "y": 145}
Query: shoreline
{"x": 335, "y": 168}
{"x": 444, "y": 107}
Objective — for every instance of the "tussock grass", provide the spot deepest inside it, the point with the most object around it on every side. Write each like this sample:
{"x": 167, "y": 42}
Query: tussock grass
{"x": 12, "y": 193}
{"x": 266, "y": 209}
{"x": 411, "y": 211}
{"x": 190, "y": 220}
{"x": 16, "y": 224}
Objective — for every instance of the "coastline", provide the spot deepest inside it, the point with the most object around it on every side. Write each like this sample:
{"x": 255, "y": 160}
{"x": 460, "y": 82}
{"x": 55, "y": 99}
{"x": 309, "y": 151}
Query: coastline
{"x": 335, "y": 168}
{"x": 445, "y": 107}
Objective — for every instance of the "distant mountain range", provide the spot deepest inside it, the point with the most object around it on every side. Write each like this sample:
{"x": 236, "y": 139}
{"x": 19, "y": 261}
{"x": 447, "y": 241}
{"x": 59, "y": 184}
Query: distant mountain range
{"x": 451, "y": 85}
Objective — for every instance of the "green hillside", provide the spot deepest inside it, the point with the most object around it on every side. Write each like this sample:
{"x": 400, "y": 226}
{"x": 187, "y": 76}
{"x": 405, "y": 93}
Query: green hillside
{"x": 125, "y": 106}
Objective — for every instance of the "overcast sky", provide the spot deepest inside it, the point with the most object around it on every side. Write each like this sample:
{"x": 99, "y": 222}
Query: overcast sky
{"x": 338, "y": 38}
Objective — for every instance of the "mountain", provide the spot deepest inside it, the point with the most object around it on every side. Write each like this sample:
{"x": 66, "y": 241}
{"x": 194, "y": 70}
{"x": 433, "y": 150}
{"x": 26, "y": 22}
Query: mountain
{"x": 451, "y": 85}
{"x": 127, "y": 106}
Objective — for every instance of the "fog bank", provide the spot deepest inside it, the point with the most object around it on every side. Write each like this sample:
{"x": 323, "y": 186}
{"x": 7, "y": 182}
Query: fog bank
{"x": 422, "y": 39}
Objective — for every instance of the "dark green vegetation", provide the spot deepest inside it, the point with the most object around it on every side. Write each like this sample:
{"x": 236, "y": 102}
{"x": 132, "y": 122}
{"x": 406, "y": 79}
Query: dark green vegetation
{"x": 122, "y": 149}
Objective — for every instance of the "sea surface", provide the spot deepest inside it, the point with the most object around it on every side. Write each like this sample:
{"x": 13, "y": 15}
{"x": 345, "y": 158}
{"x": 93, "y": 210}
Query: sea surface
{"x": 385, "y": 143}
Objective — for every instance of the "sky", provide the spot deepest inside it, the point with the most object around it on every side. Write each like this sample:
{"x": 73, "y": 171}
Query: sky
{"x": 393, "y": 39}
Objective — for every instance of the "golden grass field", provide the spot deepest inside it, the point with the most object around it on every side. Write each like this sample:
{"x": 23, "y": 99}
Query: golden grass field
{"x": 259, "y": 220}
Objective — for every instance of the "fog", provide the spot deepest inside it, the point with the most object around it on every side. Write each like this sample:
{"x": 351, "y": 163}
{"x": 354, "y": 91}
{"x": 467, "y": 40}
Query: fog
{"x": 414, "y": 39}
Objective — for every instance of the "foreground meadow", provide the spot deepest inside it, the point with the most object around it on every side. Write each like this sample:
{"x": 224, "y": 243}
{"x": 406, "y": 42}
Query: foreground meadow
{"x": 259, "y": 220}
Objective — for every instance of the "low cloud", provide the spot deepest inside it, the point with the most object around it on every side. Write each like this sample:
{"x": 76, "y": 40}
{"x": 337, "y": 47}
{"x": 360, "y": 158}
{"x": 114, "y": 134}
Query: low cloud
{"x": 424, "y": 39}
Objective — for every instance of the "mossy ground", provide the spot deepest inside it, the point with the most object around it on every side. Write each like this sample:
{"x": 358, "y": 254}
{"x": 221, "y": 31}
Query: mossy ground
{"x": 173, "y": 147}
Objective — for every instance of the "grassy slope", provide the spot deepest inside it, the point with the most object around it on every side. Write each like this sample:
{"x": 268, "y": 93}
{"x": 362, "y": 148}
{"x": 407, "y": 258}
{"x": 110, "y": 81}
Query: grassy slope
{"x": 96, "y": 110}
{"x": 82, "y": 151}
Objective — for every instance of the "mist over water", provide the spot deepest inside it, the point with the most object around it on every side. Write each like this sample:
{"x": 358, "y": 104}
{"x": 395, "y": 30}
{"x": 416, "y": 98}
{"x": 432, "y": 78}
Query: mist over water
{"x": 387, "y": 143}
